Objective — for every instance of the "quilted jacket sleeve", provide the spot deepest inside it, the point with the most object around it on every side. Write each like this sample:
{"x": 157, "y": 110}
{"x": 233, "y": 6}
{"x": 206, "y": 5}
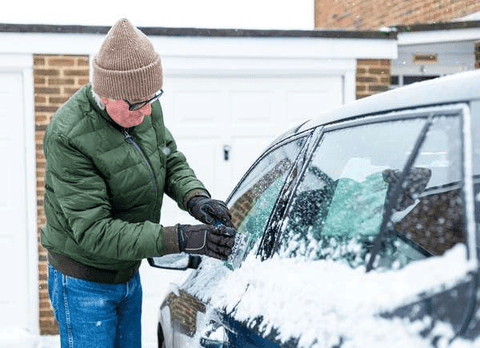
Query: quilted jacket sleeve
{"x": 83, "y": 203}
{"x": 180, "y": 178}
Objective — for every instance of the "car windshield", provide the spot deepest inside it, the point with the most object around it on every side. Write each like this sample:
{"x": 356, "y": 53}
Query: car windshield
{"x": 340, "y": 203}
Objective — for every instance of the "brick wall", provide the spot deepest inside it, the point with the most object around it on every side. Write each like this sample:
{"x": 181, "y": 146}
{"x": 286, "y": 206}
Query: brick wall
{"x": 373, "y": 76}
{"x": 374, "y": 14}
{"x": 56, "y": 78}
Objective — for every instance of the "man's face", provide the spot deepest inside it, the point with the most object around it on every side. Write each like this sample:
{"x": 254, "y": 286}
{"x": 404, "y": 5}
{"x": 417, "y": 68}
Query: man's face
{"x": 119, "y": 112}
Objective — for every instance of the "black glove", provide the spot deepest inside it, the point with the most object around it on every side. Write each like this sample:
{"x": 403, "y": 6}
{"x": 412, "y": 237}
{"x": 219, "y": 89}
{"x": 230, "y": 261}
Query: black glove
{"x": 209, "y": 211}
{"x": 213, "y": 241}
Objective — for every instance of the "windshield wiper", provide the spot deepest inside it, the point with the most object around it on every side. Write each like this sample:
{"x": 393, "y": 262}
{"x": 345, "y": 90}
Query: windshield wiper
{"x": 395, "y": 194}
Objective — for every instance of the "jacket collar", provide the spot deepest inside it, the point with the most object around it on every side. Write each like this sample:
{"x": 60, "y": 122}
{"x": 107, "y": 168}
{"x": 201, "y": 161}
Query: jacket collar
{"x": 103, "y": 113}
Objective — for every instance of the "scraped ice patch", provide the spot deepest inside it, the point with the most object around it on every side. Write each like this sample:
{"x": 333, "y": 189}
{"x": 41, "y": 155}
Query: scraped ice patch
{"x": 321, "y": 301}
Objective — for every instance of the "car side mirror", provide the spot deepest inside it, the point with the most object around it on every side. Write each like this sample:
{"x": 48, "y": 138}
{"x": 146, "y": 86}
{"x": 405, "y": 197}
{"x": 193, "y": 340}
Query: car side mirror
{"x": 180, "y": 261}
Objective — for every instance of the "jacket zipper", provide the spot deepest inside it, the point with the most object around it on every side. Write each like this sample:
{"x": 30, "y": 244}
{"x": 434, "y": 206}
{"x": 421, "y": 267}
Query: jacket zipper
{"x": 152, "y": 174}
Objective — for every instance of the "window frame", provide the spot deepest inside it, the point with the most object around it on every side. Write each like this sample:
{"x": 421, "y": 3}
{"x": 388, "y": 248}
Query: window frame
{"x": 461, "y": 110}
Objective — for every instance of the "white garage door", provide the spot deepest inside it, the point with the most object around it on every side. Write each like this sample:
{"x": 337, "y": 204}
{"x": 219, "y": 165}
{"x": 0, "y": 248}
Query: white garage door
{"x": 13, "y": 206}
{"x": 223, "y": 124}
{"x": 242, "y": 116}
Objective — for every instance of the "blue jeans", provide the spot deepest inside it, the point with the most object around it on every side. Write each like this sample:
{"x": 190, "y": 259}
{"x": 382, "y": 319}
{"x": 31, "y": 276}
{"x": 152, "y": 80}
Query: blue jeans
{"x": 96, "y": 315}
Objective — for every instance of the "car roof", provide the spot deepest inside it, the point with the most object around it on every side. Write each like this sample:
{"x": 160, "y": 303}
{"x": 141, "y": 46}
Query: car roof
{"x": 460, "y": 87}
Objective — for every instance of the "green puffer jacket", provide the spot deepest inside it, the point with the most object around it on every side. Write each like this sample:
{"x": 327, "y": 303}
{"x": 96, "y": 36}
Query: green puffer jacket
{"x": 104, "y": 187}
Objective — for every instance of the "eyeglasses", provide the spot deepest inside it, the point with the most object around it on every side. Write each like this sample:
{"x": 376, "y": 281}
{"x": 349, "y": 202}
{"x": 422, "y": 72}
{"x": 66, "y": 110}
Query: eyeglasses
{"x": 139, "y": 105}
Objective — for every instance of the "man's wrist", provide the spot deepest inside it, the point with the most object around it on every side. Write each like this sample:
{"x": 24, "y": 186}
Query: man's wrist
{"x": 170, "y": 240}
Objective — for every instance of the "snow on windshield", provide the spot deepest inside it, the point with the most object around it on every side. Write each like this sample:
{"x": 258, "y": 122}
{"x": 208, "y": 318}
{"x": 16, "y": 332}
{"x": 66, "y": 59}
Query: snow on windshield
{"x": 321, "y": 301}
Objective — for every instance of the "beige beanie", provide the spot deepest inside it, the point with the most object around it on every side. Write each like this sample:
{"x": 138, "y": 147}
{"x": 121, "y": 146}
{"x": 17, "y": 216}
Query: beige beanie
{"x": 127, "y": 66}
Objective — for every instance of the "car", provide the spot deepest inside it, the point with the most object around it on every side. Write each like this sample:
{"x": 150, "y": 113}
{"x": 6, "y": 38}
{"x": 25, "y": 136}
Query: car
{"x": 357, "y": 228}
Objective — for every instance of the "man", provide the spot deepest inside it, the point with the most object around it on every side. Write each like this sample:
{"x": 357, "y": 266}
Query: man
{"x": 110, "y": 159}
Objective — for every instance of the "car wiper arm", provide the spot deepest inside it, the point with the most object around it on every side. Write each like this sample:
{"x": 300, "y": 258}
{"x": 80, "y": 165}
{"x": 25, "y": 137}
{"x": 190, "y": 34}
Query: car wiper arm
{"x": 395, "y": 194}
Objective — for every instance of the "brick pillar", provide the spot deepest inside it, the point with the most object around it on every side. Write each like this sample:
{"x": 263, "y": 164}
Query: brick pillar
{"x": 477, "y": 55}
{"x": 56, "y": 78}
{"x": 373, "y": 76}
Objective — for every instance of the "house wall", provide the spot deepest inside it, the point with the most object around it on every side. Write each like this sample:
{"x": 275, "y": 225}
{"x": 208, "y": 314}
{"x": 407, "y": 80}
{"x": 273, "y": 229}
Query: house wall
{"x": 374, "y": 14}
{"x": 56, "y": 78}
{"x": 372, "y": 76}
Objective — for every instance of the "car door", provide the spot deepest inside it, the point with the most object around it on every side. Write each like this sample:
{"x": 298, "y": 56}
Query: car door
{"x": 188, "y": 311}
{"x": 390, "y": 195}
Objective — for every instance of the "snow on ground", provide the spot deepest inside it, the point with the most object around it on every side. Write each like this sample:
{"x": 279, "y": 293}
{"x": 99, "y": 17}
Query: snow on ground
{"x": 19, "y": 338}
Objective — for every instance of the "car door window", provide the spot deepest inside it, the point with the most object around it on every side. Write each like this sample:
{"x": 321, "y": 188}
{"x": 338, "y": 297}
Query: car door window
{"x": 339, "y": 205}
{"x": 252, "y": 202}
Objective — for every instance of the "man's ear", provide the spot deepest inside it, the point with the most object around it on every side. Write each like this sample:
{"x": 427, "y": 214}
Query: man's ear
{"x": 105, "y": 101}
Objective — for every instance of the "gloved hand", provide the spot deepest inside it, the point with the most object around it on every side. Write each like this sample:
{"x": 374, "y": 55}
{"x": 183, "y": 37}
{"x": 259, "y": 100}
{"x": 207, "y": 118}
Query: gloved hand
{"x": 209, "y": 211}
{"x": 213, "y": 241}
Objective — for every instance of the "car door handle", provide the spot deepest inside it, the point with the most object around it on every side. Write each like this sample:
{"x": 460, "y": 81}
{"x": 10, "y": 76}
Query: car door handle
{"x": 216, "y": 338}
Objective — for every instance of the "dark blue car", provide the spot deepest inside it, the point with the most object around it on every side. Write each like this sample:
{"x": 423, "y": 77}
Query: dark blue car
{"x": 359, "y": 228}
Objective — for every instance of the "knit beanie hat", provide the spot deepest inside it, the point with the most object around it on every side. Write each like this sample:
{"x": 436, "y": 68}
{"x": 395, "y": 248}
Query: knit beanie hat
{"x": 127, "y": 66}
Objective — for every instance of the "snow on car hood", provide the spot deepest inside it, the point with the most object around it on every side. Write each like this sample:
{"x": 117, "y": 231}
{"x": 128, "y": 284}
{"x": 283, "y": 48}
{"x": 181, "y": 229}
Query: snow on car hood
{"x": 321, "y": 301}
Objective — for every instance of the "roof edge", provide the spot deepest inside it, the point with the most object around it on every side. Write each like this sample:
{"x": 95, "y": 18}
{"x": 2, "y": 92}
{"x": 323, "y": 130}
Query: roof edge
{"x": 437, "y": 26}
{"x": 201, "y": 32}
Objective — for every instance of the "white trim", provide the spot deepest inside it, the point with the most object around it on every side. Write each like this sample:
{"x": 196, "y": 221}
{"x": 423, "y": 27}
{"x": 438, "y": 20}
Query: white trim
{"x": 350, "y": 87}
{"x": 423, "y": 37}
{"x": 18, "y": 43}
{"x": 272, "y": 47}
{"x": 16, "y": 62}
{"x": 222, "y": 67}
{"x": 266, "y": 47}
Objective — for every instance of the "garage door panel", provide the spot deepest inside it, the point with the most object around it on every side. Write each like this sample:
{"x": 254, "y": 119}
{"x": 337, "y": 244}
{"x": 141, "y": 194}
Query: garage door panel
{"x": 10, "y": 100}
{"x": 5, "y": 184}
{"x": 246, "y": 149}
{"x": 13, "y": 205}
{"x": 196, "y": 108}
{"x": 12, "y": 293}
{"x": 252, "y": 107}
{"x": 308, "y": 103}
{"x": 202, "y": 156}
